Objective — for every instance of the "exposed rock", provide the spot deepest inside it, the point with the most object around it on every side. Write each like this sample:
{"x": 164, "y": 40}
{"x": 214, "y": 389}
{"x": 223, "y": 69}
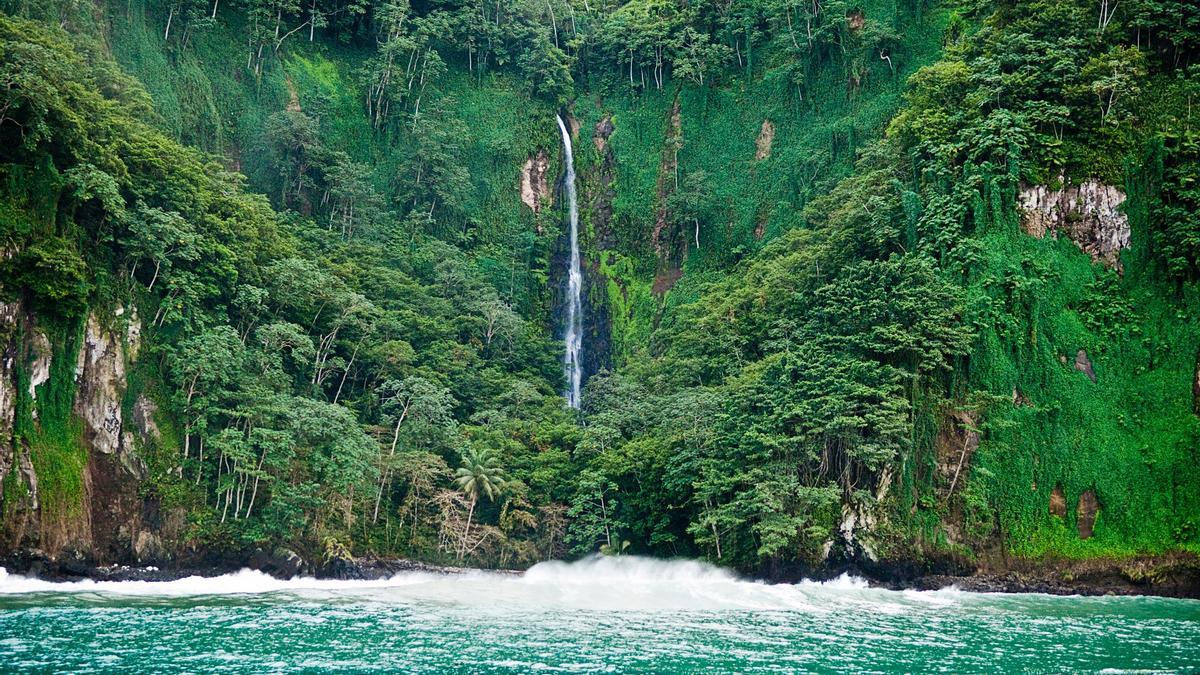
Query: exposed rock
{"x": 1089, "y": 214}
{"x": 143, "y": 416}
{"x": 26, "y": 472}
{"x": 598, "y": 186}
{"x": 534, "y": 185}
{"x": 1058, "y": 502}
{"x": 39, "y": 369}
{"x": 282, "y": 563}
{"x": 955, "y": 445}
{"x": 9, "y": 315}
{"x": 19, "y": 500}
{"x": 1083, "y": 365}
{"x": 1172, "y": 575}
{"x": 762, "y": 145}
{"x": 148, "y": 548}
{"x": 288, "y": 562}
{"x": 857, "y": 526}
{"x": 600, "y": 134}
{"x": 667, "y": 175}
{"x": 133, "y": 334}
{"x": 75, "y": 561}
{"x": 665, "y": 280}
{"x": 100, "y": 379}
{"x": 1085, "y": 513}
{"x": 855, "y": 19}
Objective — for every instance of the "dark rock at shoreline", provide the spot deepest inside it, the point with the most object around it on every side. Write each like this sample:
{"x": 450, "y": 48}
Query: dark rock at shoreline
{"x": 282, "y": 563}
{"x": 1170, "y": 575}
{"x": 383, "y": 568}
{"x": 1173, "y": 575}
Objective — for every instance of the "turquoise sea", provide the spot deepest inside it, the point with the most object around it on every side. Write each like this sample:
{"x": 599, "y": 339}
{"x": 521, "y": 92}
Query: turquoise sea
{"x": 597, "y": 615}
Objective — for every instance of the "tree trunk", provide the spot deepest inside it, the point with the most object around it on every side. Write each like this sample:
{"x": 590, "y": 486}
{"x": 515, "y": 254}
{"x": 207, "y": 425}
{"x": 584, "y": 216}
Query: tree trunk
{"x": 157, "y": 267}
{"x": 716, "y": 539}
{"x": 462, "y": 550}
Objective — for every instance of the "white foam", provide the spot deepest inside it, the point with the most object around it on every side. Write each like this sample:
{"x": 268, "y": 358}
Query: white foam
{"x": 843, "y": 582}
{"x": 595, "y": 583}
{"x": 242, "y": 582}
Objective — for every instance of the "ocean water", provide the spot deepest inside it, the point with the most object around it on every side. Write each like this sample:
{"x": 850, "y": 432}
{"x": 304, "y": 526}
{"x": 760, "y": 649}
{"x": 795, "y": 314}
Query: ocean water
{"x": 597, "y": 615}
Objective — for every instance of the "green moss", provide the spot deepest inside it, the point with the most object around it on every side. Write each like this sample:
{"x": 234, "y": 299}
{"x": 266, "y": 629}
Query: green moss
{"x": 59, "y": 460}
{"x": 1130, "y": 436}
{"x": 53, "y": 436}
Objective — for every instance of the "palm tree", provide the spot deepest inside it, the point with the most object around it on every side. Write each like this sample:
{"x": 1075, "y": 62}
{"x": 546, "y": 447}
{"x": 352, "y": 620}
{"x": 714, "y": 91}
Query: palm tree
{"x": 479, "y": 476}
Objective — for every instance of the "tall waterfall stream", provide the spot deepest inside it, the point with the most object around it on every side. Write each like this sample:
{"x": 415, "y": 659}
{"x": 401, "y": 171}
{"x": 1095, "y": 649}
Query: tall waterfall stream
{"x": 573, "y": 335}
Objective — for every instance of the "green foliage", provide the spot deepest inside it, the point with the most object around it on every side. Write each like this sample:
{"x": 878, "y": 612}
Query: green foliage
{"x": 804, "y": 233}
{"x": 1174, "y": 229}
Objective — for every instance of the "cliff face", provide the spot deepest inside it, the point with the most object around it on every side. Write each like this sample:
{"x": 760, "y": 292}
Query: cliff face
{"x": 73, "y": 475}
{"x": 1089, "y": 214}
{"x": 678, "y": 188}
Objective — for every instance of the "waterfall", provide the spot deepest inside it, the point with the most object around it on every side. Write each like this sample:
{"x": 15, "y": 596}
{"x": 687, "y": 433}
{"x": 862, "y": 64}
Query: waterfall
{"x": 573, "y": 335}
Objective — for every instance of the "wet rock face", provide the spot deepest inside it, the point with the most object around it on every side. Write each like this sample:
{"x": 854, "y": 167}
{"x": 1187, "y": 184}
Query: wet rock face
{"x": 143, "y": 416}
{"x": 1085, "y": 513}
{"x": 535, "y": 187}
{"x": 19, "y": 503}
{"x": 598, "y": 185}
{"x": 665, "y": 238}
{"x": 1088, "y": 214}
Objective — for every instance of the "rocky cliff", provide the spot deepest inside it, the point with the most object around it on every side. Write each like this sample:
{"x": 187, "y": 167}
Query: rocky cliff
{"x": 69, "y": 437}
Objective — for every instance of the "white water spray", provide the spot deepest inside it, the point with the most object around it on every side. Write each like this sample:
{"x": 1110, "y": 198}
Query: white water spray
{"x": 573, "y": 336}
{"x": 623, "y": 583}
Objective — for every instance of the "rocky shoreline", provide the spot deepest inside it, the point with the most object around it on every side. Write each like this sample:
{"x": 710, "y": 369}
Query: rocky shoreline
{"x": 1174, "y": 575}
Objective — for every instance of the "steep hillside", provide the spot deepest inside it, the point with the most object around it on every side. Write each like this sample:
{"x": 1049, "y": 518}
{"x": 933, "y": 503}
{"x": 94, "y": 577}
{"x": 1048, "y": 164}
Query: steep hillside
{"x": 878, "y": 283}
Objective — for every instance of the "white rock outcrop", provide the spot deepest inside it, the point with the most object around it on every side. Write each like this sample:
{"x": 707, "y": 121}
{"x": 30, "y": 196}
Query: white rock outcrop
{"x": 1088, "y": 214}
{"x": 100, "y": 386}
{"x": 535, "y": 185}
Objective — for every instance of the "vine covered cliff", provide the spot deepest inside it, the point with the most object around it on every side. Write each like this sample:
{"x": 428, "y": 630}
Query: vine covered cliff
{"x": 901, "y": 285}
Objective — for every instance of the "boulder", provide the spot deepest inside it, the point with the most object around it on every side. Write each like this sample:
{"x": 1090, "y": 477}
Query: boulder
{"x": 75, "y": 561}
{"x": 282, "y": 563}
